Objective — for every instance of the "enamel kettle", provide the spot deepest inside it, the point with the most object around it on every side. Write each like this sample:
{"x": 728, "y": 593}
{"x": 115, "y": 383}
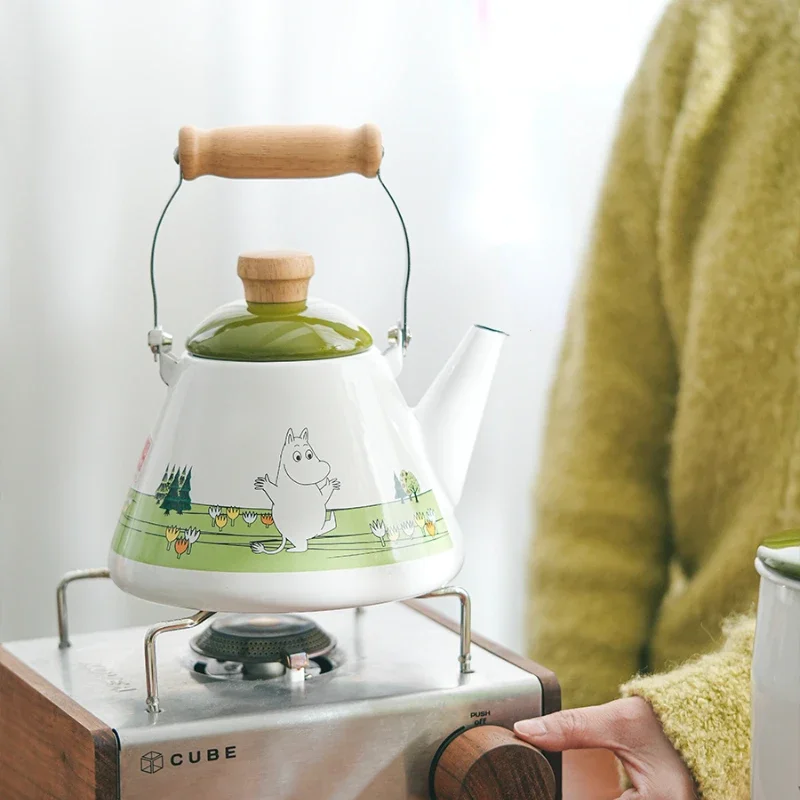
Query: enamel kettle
{"x": 286, "y": 472}
{"x": 776, "y": 666}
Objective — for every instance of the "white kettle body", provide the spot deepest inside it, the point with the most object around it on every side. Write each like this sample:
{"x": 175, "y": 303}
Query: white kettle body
{"x": 285, "y": 486}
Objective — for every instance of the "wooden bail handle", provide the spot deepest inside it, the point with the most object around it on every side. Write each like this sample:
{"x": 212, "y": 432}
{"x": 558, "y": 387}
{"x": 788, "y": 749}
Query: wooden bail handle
{"x": 278, "y": 151}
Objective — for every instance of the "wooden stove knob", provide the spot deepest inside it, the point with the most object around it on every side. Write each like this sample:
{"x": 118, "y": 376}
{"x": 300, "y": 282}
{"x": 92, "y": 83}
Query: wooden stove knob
{"x": 489, "y": 763}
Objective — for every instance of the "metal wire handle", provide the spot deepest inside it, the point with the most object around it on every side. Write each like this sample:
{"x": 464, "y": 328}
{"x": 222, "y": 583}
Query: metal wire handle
{"x": 404, "y": 332}
{"x": 153, "y": 249}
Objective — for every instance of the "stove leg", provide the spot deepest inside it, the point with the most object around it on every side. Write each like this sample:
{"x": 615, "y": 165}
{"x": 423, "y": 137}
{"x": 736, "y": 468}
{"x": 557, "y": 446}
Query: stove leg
{"x": 150, "y": 665}
{"x": 61, "y": 599}
{"x": 465, "y": 658}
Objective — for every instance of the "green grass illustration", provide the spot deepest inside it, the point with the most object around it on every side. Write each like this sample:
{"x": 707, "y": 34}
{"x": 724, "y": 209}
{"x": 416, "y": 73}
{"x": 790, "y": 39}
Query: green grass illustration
{"x": 142, "y": 529}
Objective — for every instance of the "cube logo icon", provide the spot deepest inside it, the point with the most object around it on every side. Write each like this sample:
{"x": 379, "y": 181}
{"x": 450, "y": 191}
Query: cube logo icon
{"x": 152, "y": 762}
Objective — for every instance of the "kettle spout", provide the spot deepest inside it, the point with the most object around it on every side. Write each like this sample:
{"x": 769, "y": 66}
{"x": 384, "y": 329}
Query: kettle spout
{"x": 450, "y": 413}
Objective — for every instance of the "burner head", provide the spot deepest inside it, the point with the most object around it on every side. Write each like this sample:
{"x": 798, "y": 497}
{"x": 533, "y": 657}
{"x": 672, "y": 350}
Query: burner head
{"x": 261, "y": 638}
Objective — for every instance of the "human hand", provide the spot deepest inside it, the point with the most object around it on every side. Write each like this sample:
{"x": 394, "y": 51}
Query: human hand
{"x": 590, "y": 775}
{"x": 632, "y": 731}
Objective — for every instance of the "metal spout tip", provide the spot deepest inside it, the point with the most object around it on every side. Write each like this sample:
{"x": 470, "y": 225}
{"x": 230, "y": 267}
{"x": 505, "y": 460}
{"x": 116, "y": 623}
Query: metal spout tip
{"x": 492, "y": 330}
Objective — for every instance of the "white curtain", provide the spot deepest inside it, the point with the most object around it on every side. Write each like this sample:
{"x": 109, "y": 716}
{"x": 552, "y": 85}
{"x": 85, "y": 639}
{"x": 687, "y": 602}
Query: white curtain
{"x": 496, "y": 117}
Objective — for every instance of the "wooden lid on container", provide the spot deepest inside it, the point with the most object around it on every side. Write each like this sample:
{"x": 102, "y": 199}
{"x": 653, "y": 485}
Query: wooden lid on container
{"x": 275, "y": 276}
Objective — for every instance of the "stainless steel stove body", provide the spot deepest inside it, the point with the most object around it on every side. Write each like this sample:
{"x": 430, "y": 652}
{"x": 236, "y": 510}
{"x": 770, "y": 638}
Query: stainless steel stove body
{"x": 368, "y": 728}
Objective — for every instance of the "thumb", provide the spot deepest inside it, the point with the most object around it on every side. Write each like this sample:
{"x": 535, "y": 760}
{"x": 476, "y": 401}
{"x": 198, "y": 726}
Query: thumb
{"x": 575, "y": 729}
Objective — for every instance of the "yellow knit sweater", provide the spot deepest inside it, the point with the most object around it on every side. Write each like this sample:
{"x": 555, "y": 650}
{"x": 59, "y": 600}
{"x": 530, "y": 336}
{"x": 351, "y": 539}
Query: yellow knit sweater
{"x": 673, "y": 440}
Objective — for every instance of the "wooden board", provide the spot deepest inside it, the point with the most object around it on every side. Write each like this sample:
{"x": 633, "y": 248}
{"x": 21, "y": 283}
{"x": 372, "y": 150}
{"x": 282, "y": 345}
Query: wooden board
{"x": 50, "y": 747}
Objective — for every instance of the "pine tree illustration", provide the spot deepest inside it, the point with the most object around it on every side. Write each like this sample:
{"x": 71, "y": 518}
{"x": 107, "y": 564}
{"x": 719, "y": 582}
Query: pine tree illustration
{"x": 172, "y": 501}
{"x": 163, "y": 487}
{"x": 184, "y": 491}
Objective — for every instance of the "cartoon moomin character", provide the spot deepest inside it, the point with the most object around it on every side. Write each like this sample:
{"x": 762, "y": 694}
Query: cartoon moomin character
{"x": 299, "y": 495}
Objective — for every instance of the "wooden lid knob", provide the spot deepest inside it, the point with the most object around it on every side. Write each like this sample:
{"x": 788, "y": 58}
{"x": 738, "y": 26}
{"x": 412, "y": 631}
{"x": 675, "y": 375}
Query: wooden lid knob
{"x": 489, "y": 763}
{"x": 275, "y": 276}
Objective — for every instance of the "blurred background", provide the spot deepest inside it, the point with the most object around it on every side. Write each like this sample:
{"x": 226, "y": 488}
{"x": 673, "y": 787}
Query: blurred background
{"x": 496, "y": 115}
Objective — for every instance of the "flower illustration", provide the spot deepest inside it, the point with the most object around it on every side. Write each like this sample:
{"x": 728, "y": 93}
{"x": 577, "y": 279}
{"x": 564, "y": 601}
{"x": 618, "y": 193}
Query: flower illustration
{"x": 266, "y": 519}
{"x": 378, "y": 528}
{"x": 214, "y": 512}
{"x": 232, "y": 513}
{"x": 221, "y": 520}
{"x": 249, "y": 517}
{"x": 419, "y": 520}
{"x": 191, "y": 535}
{"x": 430, "y": 522}
{"x": 172, "y": 534}
{"x": 407, "y": 527}
{"x": 394, "y": 533}
{"x": 181, "y": 545}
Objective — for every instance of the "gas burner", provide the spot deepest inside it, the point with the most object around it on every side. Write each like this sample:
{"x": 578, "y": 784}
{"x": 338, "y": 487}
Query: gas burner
{"x": 258, "y": 646}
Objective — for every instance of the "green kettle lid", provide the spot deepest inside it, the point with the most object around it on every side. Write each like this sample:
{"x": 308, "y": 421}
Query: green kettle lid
{"x": 781, "y": 552}
{"x": 277, "y": 321}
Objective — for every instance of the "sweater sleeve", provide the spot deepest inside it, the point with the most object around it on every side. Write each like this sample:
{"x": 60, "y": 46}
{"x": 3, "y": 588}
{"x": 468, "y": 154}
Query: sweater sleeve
{"x": 704, "y": 708}
{"x": 601, "y": 547}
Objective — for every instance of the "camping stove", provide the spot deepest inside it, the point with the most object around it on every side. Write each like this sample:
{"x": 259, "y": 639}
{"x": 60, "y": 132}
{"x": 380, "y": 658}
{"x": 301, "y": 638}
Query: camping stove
{"x": 383, "y": 703}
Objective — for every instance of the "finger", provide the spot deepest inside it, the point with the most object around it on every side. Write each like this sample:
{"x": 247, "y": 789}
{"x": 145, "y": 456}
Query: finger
{"x": 575, "y": 729}
{"x": 631, "y": 794}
